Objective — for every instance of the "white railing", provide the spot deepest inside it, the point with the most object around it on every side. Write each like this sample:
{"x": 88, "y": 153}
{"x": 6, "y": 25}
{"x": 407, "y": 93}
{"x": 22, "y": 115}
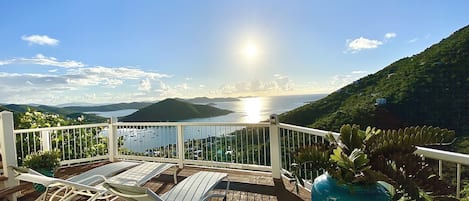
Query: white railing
{"x": 76, "y": 144}
{"x": 260, "y": 147}
{"x": 232, "y": 145}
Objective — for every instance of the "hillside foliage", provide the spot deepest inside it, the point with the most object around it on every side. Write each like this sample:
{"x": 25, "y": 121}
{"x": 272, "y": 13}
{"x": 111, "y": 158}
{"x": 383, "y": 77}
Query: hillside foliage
{"x": 430, "y": 88}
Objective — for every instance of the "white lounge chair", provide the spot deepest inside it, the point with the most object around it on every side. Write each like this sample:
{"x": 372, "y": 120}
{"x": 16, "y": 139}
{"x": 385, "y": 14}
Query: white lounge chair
{"x": 85, "y": 180}
{"x": 80, "y": 185}
{"x": 193, "y": 188}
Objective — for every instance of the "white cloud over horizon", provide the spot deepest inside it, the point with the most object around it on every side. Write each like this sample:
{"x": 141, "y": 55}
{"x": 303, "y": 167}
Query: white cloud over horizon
{"x": 64, "y": 81}
{"x": 362, "y": 43}
{"x": 341, "y": 80}
{"x": 40, "y": 59}
{"x": 279, "y": 83}
{"x": 40, "y": 40}
{"x": 144, "y": 85}
{"x": 76, "y": 78}
{"x": 390, "y": 35}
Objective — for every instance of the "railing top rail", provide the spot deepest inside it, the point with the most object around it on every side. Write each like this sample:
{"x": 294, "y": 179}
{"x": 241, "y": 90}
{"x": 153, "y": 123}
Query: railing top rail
{"x": 437, "y": 154}
{"x": 60, "y": 128}
{"x": 262, "y": 124}
{"x": 305, "y": 129}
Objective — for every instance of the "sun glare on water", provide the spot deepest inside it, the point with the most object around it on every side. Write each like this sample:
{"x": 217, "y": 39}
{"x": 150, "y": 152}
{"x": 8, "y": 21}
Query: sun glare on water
{"x": 252, "y": 108}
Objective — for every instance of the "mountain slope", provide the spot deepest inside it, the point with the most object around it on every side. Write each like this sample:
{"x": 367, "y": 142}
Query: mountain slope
{"x": 89, "y": 118}
{"x": 430, "y": 88}
{"x": 174, "y": 110}
{"x": 110, "y": 107}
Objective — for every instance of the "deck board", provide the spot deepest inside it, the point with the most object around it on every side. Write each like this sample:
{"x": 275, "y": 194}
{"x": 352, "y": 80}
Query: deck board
{"x": 244, "y": 185}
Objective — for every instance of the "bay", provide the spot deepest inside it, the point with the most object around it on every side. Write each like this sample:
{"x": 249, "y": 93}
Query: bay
{"x": 246, "y": 110}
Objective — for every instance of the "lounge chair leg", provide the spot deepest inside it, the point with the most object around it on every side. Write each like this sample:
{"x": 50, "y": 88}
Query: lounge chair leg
{"x": 175, "y": 176}
{"x": 227, "y": 188}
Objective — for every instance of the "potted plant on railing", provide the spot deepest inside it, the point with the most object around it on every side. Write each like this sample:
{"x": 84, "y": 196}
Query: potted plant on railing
{"x": 44, "y": 162}
{"x": 373, "y": 165}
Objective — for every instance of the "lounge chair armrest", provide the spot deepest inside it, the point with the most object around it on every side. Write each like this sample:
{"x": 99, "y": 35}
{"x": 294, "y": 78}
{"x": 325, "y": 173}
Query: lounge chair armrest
{"x": 19, "y": 170}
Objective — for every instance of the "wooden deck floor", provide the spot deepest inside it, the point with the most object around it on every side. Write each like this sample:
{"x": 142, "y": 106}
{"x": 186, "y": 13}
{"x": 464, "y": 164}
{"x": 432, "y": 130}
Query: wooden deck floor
{"x": 244, "y": 185}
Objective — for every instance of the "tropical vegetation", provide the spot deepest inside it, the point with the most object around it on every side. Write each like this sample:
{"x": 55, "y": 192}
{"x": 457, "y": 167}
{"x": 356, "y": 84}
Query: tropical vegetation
{"x": 86, "y": 142}
{"x": 364, "y": 157}
{"x": 42, "y": 160}
{"x": 429, "y": 88}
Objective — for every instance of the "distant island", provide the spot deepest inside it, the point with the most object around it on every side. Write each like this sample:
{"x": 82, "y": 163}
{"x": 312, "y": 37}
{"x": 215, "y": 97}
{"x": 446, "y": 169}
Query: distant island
{"x": 109, "y": 107}
{"x": 210, "y": 100}
{"x": 173, "y": 110}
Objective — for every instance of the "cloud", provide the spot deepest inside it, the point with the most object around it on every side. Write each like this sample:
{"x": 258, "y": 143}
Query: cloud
{"x": 5, "y": 62}
{"x": 390, "y": 35}
{"x": 341, "y": 80}
{"x": 75, "y": 79}
{"x": 42, "y": 60}
{"x": 413, "y": 40}
{"x": 108, "y": 76}
{"x": 359, "y": 72}
{"x": 278, "y": 84}
{"x": 358, "y": 44}
{"x": 144, "y": 85}
{"x": 40, "y": 40}
{"x": 362, "y": 43}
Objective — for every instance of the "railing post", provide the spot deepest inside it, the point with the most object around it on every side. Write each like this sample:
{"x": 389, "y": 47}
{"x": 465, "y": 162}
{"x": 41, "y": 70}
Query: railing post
{"x": 112, "y": 141}
{"x": 180, "y": 146}
{"x": 45, "y": 140}
{"x": 8, "y": 150}
{"x": 275, "y": 146}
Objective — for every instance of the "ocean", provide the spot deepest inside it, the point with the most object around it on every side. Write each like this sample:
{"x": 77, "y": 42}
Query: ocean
{"x": 257, "y": 109}
{"x": 246, "y": 110}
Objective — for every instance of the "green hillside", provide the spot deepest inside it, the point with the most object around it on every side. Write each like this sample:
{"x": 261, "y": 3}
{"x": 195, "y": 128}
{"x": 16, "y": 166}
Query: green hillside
{"x": 174, "y": 110}
{"x": 66, "y": 113}
{"x": 110, "y": 107}
{"x": 430, "y": 88}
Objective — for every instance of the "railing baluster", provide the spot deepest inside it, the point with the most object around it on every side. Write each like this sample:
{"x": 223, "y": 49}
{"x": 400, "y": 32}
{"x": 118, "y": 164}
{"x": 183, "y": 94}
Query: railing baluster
{"x": 74, "y": 144}
{"x": 264, "y": 141}
{"x": 62, "y": 146}
{"x": 258, "y": 147}
{"x": 458, "y": 180}
{"x": 22, "y": 147}
{"x": 440, "y": 169}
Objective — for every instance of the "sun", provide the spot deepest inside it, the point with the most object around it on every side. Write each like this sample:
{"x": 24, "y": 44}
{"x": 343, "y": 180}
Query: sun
{"x": 250, "y": 51}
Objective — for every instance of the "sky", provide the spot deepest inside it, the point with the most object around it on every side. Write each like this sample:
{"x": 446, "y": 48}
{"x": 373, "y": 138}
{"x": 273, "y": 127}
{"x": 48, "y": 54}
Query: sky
{"x": 87, "y": 51}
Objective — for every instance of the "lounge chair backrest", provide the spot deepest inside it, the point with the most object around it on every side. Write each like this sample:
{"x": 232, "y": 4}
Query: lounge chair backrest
{"x": 47, "y": 181}
{"x": 89, "y": 177}
{"x": 140, "y": 174}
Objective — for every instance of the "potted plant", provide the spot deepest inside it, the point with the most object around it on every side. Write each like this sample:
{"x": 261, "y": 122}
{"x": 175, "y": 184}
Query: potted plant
{"x": 44, "y": 162}
{"x": 373, "y": 165}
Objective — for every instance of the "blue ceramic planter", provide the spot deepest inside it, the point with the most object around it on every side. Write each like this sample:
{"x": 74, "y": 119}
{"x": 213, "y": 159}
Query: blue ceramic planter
{"x": 325, "y": 188}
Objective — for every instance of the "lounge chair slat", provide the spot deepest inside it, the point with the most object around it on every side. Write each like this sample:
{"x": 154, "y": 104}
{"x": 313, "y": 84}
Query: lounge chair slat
{"x": 140, "y": 174}
{"x": 195, "y": 187}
